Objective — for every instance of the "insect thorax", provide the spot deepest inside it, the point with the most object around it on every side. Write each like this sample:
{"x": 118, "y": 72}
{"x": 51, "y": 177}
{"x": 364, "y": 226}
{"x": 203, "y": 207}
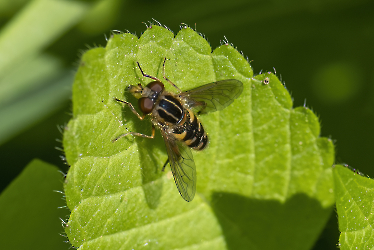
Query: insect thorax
{"x": 169, "y": 110}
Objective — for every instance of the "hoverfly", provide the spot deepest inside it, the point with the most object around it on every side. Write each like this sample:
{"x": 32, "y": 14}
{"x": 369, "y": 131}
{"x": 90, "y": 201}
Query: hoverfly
{"x": 173, "y": 114}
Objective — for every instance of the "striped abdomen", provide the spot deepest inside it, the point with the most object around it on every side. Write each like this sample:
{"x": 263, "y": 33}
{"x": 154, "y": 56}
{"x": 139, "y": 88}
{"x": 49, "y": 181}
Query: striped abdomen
{"x": 191, "y": 132}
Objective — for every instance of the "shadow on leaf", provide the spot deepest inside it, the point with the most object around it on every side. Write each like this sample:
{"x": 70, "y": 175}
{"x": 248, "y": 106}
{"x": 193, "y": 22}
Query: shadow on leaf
{"x": 150, "y": 165}
{"x": 268, "y": 224}
{"x": 151, "y": 169}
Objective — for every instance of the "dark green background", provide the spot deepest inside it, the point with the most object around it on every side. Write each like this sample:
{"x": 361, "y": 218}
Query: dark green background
{"x": 322, "y": 50}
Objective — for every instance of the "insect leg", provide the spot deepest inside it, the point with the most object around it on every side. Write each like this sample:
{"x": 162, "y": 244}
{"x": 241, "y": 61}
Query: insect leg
{"x": 145, "y": 75}
{"x": 167, "y": 79}
{"x": 137, "y": 134}
{"x": 131, "y": 107}
{"x": 163, "y": 168}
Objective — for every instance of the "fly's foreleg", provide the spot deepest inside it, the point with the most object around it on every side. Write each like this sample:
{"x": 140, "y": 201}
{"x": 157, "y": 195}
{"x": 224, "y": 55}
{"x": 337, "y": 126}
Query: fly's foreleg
{"x": 140, "y": 117}
{"x": 138, "y": 134}
{"x": 131, "y": 107}
{"x": 145, "y": 75}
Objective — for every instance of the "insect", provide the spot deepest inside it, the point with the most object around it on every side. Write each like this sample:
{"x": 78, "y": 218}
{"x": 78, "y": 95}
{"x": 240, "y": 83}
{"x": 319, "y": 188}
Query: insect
{"x": 174, "y": 115}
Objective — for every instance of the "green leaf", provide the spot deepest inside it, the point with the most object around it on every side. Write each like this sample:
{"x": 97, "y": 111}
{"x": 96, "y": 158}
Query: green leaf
{"x": 32, "y": 108}
{"x": 354, "y": 204}
{"x": 29, "y": 209}
{"x": 264, "y": 182}
{"x": 41, "y": 21}
{"x": 27, "y": 75}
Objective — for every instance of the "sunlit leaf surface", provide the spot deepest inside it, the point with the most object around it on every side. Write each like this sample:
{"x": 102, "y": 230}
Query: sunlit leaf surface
{"x": 354, "y": 204}
{"x": 264, "y": 182}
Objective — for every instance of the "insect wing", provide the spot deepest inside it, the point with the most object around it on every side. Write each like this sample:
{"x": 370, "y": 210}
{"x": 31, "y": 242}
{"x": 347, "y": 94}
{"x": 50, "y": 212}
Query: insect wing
{"x": 214, "y": 96}
{"x": 182, "y": 166}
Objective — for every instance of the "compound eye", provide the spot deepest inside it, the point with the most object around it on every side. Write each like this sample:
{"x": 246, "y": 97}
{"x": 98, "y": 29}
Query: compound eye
{"x": 156, "y": 86}
{"x": 146, "y": 105}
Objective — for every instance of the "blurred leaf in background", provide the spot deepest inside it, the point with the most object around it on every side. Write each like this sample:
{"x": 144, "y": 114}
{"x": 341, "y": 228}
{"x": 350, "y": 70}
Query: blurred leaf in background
{"x": 29, "y": 209}
{"x": 322, "y": 50}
